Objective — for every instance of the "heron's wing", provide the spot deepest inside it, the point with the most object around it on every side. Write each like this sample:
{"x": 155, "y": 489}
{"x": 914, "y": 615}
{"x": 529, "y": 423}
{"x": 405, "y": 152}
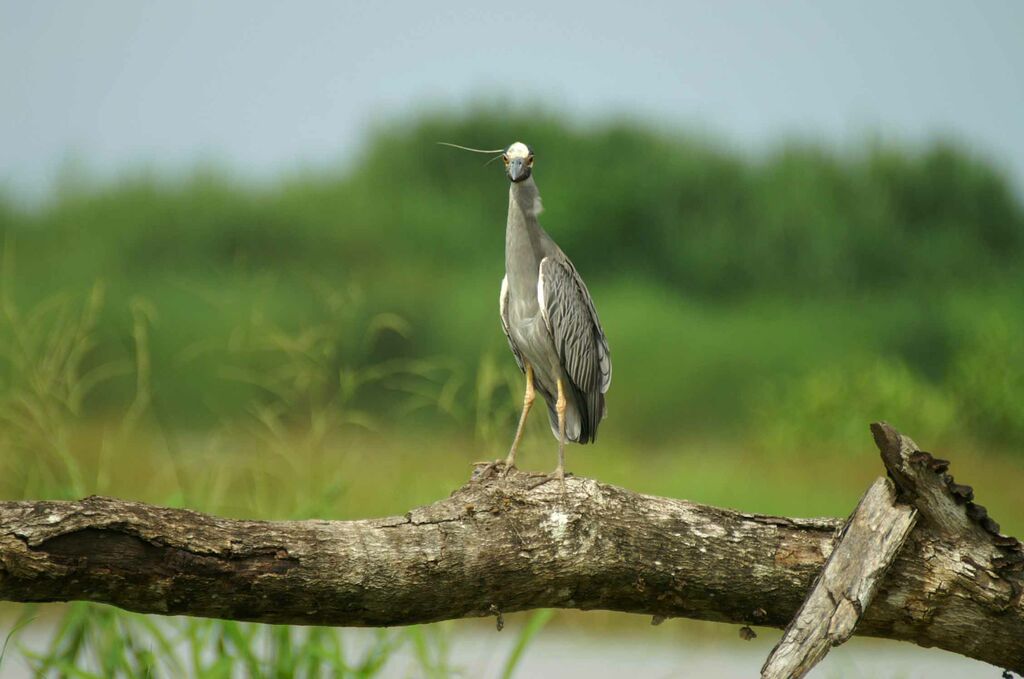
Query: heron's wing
{"x": 503, "y": 311}
{"x": 571, "y": 318}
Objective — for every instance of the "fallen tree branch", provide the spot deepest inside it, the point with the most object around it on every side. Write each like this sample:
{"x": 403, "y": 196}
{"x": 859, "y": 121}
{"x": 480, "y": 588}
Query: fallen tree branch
{"x": 867, "y": 546}
{"x": 503, "y": 545}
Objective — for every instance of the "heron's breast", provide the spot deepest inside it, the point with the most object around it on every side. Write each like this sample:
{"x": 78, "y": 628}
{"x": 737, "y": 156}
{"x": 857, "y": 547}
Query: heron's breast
{"x": 528, "y": 330}
{"x": 531, "y": 336}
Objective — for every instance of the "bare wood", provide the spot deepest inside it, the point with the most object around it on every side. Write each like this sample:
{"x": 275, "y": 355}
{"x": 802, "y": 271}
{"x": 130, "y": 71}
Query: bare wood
{"x": 866, "y": 548}
{"x": 504, "y": 545}
{"x": 969, "y": 558}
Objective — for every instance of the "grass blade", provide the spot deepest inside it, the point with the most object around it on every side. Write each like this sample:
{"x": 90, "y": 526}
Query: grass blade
{"x": 533, "y": 625}
{"x": 22, "y": 623}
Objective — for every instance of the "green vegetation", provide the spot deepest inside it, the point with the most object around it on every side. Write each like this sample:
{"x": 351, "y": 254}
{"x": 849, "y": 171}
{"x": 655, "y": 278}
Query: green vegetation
{"x": 100, "y": 642}
{"x": 329, "y": 346}
{"x": 731, "y": 272}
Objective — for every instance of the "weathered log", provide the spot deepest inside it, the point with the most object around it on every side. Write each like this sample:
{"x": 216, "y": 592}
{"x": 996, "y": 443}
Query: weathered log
{"x": 866, "y": 548}
{"x": 503, "y": 545}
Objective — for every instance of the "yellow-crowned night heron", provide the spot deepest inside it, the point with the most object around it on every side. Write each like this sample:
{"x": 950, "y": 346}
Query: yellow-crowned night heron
{"x": 550, "y": 320}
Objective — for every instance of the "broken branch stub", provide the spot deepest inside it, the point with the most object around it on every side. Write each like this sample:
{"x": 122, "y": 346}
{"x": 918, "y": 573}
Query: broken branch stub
{"x": 864, "y": 551}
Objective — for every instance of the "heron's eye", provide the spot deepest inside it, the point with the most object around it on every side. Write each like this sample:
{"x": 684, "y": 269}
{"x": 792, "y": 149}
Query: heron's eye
{"x": 529, "y": 161}
{"x": 504, "y": 159}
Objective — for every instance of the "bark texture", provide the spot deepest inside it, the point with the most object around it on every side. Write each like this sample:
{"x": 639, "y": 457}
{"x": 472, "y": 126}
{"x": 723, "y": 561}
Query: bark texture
{"x": 501, "y": 545}
{"x": 867, "y": 546}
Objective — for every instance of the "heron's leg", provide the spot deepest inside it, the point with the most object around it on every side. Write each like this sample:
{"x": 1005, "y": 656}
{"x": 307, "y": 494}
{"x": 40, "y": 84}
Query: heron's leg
{"x": 560, "y": 410}
{"x": 527, "y": 404}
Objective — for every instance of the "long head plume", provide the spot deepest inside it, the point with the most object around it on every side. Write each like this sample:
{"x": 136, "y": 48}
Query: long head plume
{"x": 518, "y": 158}
{"x": 466, "y": 148}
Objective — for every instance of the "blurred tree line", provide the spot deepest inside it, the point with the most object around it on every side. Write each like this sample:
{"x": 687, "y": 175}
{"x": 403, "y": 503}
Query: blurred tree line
{"x": 792, "y": 274}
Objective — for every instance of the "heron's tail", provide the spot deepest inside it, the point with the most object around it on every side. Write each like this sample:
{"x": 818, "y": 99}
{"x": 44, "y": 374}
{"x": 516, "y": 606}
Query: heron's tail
{"x": 580, "y": 422}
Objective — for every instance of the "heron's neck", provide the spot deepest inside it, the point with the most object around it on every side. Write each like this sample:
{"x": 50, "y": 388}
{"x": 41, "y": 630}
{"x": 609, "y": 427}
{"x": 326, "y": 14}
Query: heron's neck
{"x": 524, "y": 199}
{"x": 523, "y": 234}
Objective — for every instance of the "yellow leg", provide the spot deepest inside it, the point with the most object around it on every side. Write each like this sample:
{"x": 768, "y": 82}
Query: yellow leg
{"x": 560, "y": 410}
{"x": 527, "y": 404}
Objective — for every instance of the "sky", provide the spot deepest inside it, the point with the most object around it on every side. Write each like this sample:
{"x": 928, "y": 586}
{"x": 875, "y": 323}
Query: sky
{"x": 267, "y": 88}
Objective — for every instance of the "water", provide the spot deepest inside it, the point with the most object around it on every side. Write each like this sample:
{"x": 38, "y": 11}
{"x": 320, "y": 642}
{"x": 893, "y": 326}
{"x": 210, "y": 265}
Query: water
{"x": 568, "y": 655}
{"x": 477, "y": 652}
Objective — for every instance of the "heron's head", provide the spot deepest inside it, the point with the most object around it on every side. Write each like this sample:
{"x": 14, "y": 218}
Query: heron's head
{"x": 518, "y": 160}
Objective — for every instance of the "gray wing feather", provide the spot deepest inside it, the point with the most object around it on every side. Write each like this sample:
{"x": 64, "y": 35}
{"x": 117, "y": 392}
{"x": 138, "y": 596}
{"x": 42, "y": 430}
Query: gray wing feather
{"x": 503, "y": 312}
{"x": 575, "y": 328}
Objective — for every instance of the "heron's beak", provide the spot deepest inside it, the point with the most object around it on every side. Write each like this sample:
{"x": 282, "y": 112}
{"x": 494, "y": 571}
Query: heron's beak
{"x": 518, "y": 170}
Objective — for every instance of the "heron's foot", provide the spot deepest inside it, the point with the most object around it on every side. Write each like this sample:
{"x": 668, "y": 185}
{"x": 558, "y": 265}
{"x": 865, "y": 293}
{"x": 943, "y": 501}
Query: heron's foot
{"x": 508, "y": 464}
{"x": 557, "y": 475}
{"x": 487, "y": 469}
{"x": 484, "y": 470}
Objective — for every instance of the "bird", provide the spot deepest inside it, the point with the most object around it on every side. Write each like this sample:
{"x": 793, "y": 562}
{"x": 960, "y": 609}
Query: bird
{"x": 550, "y": 321}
